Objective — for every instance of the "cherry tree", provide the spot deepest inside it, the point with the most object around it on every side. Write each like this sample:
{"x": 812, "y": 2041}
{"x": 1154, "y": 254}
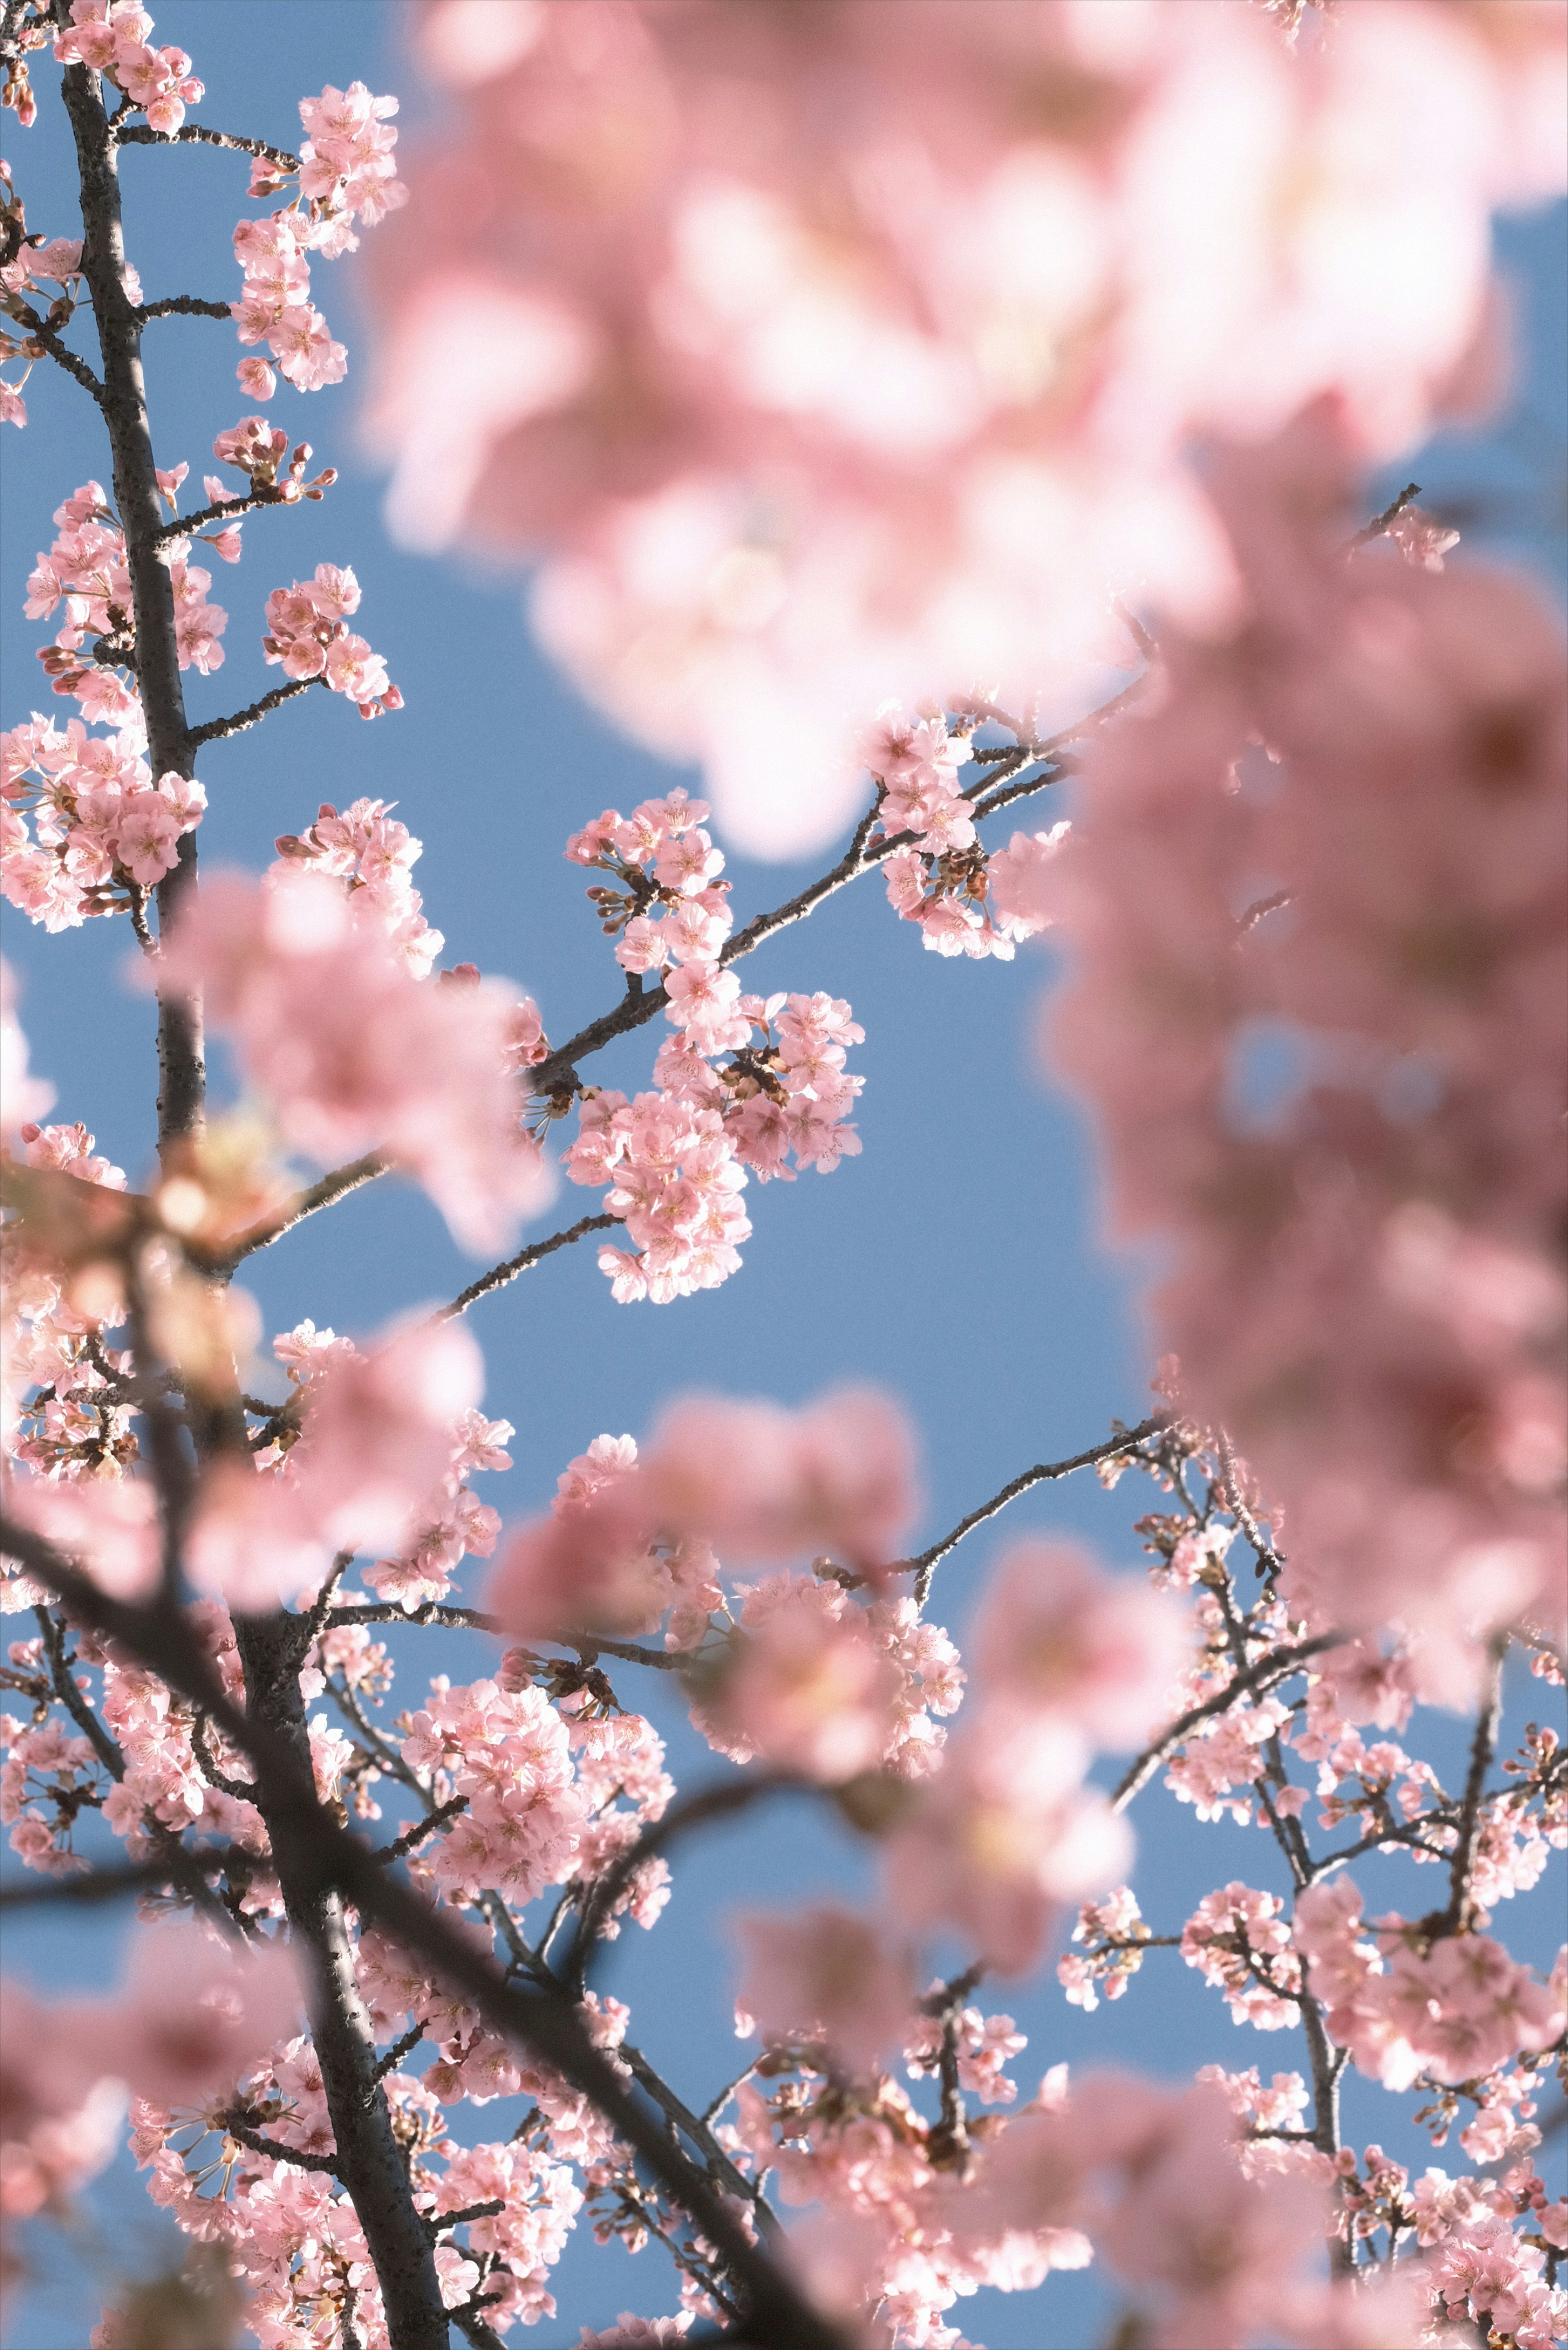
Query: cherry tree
{"x": 832, "y": 367}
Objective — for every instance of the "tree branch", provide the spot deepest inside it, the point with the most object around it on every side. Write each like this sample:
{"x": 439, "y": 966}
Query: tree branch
{"x": 217, "y": 729}
{"x": 387, "y": 1853}
{"x": 181, "y": 305}
{"x": 113, "y": 1884}
{"x": 336, "y": 1186}
{"x": 1278, "y": 1665}
{"x": 499, "y": 1276}
{"x": 1044, "y": 1472}
{"x": 142, "y": 134}
{"x": 321, "y": 1857}
{"x": 1483, "y": 1750}
{"x": 714, "y": 1803}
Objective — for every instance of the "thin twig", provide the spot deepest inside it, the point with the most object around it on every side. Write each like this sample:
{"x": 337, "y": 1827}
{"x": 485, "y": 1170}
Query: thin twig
{"x": 217, "y": 729}
{"x": 1483, "y": 1750}
{"x": 308, "y": 1202}
{"x": 394, "y": 2055}
{"x": 715, "y": 1803}
{"x": 142, "y": 134}
{"x": 421, "y": 1829}
{"x": 37, "y": 331}
{"x": 222, "y": 510}
{"x": 1379, "y": 523}
{"x": 500, "y": 1275}
{"x": 277, "y": 2148}
{"x": 113, "y": 1884}
{"x": 1044, "y": 1472}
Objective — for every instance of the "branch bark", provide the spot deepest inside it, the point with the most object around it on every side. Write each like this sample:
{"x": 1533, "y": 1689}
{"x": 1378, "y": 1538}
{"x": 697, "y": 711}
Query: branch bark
{"x": 180, "y": 1051}
{"x": 368, "y": 2160}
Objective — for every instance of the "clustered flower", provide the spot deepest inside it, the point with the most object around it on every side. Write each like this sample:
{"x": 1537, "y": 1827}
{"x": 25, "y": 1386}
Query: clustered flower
{"x": 345, "y": 173}
{"x": 309, "y": 633}
{"x": 372, "y": 855}
{"x": 1343, "y": 825}
{"x": 677, "y": 1158}
{"x": 111, "y": 36}
{"x": 965, "y": 901}
{"x": 102, "y": 832}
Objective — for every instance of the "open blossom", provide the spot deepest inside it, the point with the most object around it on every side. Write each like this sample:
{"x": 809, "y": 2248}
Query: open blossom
{"x": 371, "y": 854}
{"x": 354, "y": 1053}
{"x": 678, "y": 1159}
{"x": 308, "y": 632}
{"x": 1055, "y": 1633}
{"x": 824, "y": 1972}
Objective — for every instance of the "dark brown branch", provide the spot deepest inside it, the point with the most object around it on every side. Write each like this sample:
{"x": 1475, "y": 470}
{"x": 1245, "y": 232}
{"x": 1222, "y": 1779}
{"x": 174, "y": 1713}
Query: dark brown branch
{"x": 1277, "y": 1666}
{"x": 142, "y": 134}
{"x": 181, "y": 1061}
{"x": 105, "y": 1746}
{"x": 500, "y": 1275}
{"x": 38, "y": 331}
{"x": 387, "y": 1853}
{"x": 336, "y": 1186}
{"x": 222, "y": 510}
{"x": 217, "y": 729}
{"x": 588, "y": 1645}
{"x": 1379, "y": 523}
{"x": 181, "y": 305}
{"x": 1483, "y": 1750}
{"x": 393, "y": 2056}
{"x": 259, "y": 2144}
{"x": 175, "y": 1868}
{"x": 1044, "y": 1472}
{"x": 1259, "y": 909}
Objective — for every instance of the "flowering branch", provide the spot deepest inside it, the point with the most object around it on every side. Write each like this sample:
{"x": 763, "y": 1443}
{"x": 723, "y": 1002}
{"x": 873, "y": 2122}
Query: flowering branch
{"x": 327, "y": 1865}
{"x": 1124, "y": 1441}
{"x": 217, "y": 729}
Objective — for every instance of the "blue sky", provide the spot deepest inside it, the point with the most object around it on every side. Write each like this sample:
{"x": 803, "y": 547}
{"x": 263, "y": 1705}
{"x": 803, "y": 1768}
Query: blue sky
{"x": 954, "y": 1262}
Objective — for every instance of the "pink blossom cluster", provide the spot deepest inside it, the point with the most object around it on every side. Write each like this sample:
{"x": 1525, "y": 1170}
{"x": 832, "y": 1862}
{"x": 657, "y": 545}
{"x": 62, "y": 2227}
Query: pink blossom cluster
{"x": 53, "y": 261}
{"x": 1005, "y": 1831}
{"x": 677, "y": 1158}
{"x": 1113, "y": 1929}
{"x": 86, "y": 569}
{"x": 629, "y": 1537}
{"x": 1455, "y": 2009}
{"x": 964, "y": 902}
{"x": 259, "y": 450}
{"x": 354, "y": 1054}
{"x": 508, "y": 1752}
{"x": 309, "y": 633}
{"x": 102, "y": 833}
{"x": 345, "y": 173}
{"x": 1365, "y": 1261}
{"x": 1240, "y": 1940}
{"x": 786, "y": 455}
{"x": 808, "y": 1681}
{"x": 111, "y": 36}
{"x": 373, "y": 856}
